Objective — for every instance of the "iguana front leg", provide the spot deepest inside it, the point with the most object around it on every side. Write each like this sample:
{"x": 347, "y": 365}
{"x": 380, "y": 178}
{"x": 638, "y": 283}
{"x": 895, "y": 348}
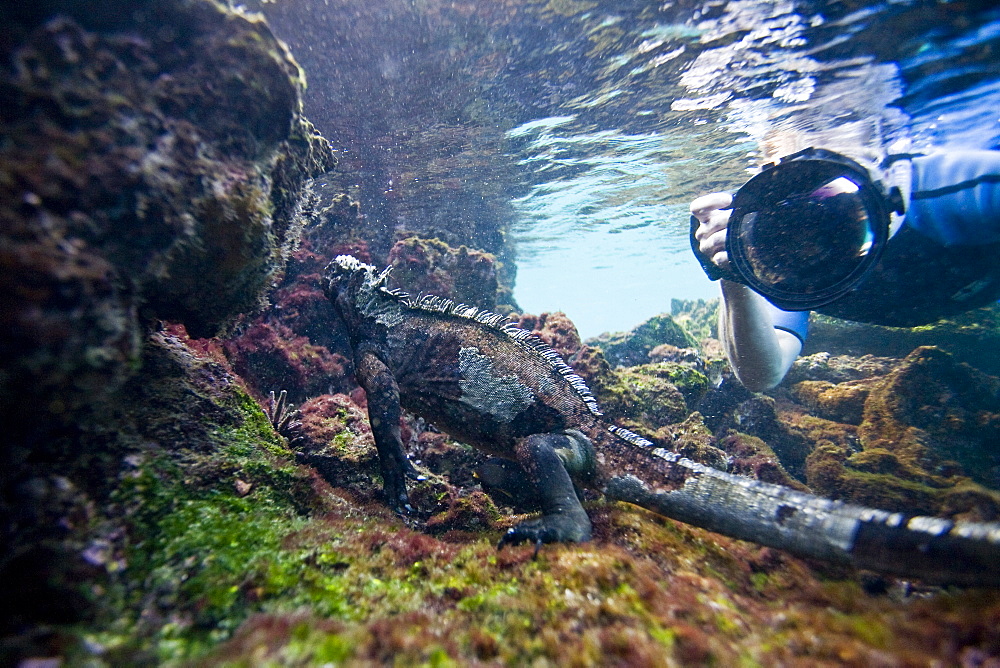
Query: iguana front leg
{"x": 383, "y": 414}
{"x": 563, "y": 518}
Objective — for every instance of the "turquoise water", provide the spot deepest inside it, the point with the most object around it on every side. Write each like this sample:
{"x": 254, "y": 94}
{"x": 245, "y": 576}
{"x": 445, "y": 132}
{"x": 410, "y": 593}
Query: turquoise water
{"x": 607, "y": 244}
{"x": 602, "y": 234}
{"x": 580, "y": 130}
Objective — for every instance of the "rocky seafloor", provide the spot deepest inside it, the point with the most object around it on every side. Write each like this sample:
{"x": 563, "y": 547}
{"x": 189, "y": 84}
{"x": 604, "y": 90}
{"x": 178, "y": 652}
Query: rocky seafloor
{"x": 166, "y": 215}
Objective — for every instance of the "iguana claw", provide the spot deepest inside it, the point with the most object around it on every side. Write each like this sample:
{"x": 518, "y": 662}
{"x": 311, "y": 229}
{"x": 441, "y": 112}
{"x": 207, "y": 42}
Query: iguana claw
{"x": 562, "y": 528}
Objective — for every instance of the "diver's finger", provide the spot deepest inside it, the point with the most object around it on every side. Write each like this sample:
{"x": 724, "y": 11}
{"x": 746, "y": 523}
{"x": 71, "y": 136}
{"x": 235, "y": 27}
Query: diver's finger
{"x": 702, "y": 206}
{"x": 713, "y": 244}
{"x": 714, "y": 222}
{"x": 721, "y": 260}
{"x": 718, "y": 219}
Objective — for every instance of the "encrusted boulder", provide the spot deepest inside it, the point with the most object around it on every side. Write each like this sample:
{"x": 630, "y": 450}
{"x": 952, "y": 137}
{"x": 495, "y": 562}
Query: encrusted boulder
{"x": 925, "y": 440}
{"x": 154, "y": 166}
{"x": 633, "y": 347}
{"x": 153, "y": 158}
{"x": 700, "y": 317}
{"x": 840, "y": 402}
{"x": 270, "y": 356}
{"x": 838, "y": 368}
{"x": 433, "y": 267}
{"x": 666, "y": 392}
{"x": 972, "y": 337}
{"x": 691, "y": 438}
{"x": 938, "y": 414}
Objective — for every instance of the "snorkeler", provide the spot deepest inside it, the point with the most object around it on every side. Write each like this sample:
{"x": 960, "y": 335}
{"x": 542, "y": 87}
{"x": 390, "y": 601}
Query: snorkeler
{"x": 816, "y": 232}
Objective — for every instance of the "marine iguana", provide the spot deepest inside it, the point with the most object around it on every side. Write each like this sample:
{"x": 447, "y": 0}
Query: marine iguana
{"x": 501, "y": 389}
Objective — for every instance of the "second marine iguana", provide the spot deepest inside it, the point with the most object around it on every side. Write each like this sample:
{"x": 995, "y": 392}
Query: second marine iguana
{"x": 501, "y": 389}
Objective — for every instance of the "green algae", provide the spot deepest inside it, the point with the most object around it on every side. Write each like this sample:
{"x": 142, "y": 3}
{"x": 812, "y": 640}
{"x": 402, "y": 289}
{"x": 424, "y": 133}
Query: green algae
{"x": 361, "y": 591}
{"x": 633, "y": 347}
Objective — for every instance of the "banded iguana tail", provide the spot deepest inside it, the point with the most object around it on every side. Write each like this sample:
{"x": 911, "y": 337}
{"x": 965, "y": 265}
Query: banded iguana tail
{"x": 500, "y": 389}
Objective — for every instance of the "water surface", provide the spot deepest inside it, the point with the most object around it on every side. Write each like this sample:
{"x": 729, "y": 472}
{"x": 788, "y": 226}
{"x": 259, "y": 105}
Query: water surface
{"x": 581, "y": 129}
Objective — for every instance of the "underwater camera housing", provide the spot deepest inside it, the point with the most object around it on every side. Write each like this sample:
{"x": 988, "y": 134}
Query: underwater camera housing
{"x": 807, "y": 230}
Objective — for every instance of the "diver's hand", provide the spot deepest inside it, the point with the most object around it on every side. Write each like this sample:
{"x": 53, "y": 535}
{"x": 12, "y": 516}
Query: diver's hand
{"x": 712, "y": 212}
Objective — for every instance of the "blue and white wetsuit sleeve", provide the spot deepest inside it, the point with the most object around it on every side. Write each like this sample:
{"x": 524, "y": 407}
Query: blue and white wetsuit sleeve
{"x": 796, "y": 322}
{"x": 956, "y": 197}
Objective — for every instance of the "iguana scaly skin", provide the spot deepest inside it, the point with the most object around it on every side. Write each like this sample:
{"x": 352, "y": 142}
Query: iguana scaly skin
{"x": 500, "y": 389}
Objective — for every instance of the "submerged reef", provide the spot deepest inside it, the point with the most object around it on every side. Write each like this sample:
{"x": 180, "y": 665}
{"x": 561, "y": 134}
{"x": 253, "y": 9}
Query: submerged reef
{"x": 167, "y": 213}
{"x": 151, "y": 170}
{"x": 634, "y": 347}
{"x": 972, "y": 337}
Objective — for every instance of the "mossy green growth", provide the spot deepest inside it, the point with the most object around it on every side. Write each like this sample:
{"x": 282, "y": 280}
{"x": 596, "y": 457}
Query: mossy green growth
{"x": 700, "y": 317}
{"x": 204, "y": 555}
{"x": 691, "y": 383}
{"x": 255, "y": 429}
{"x": 633, "y": 347}
{"x": 205, "y": 536}
{"x": 660, "y": 402}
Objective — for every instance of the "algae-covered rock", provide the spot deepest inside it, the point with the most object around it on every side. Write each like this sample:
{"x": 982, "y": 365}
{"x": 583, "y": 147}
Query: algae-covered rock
{"x": 879, "y": 481}
{"x": 666, "y": 391}
{"x": 925, "y": 429}
{"x": 790, "y": 435}
{"x": 933, "y": 411}
{"x": 838, "y": 368}
{"x": 154, "y": 161}
{"x": 633, "y": 347}
{"x": 700, "y": 317}
{"x": 268, "y": 356}
{"x": 153, "y": 156}
{"x": 752, "y": 457}
{"x": 972, "y": 337}
{"x": 134, "y": 511}
{"x": 841, "y": 402}
{"x": 431, "y": 266}
{"x": 659, "y": 401}
{"x": 691, "y": 438}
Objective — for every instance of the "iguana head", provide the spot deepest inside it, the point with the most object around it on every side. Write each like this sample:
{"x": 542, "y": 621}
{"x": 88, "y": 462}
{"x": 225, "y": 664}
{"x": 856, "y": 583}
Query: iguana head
{"x": 350, "y": 284}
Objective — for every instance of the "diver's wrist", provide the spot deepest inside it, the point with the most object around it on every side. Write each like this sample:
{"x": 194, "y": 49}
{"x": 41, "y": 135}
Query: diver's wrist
{"x": 733, "y": 291}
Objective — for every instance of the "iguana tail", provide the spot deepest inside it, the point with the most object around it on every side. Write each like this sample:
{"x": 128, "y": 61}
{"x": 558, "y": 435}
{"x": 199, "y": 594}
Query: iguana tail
{"x": 928, "y": 548}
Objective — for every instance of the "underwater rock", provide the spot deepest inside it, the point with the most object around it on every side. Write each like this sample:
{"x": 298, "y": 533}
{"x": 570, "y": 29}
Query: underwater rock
{"x": 972, "y": 337}
{"x": 269, "y": 355}
{"x": 431, "y": 266}
{"x": 633, "y": 347}
{"x": 88, "y": 528}
{"x": 838, "y": 368}
{"x": 691, "y": 438}
{"x": 660, "y": 400}
{"x": 875, "y": 479}
{"x": 699, "y": 317}
{"x": 154, "y": 164}
{"x": 337, "y": 441}
{"x": 759, "y": 416}
{"x": 840, "y": 402}
{"x": 721, "y": 400}
{"x": 153, "y": 159}
{"x": 939, "y": 414}
{"x": 336, "y": 421}
{"x": 474, "y": 512}
{"x": 297, "y": 342}
{"x": 670, "y": 353}
{"x": 925, "y": 440}
{"x": 752, "y": 457}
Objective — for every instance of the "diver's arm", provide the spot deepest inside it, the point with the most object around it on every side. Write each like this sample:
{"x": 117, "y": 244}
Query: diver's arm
{"x": 759, "y": 353}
